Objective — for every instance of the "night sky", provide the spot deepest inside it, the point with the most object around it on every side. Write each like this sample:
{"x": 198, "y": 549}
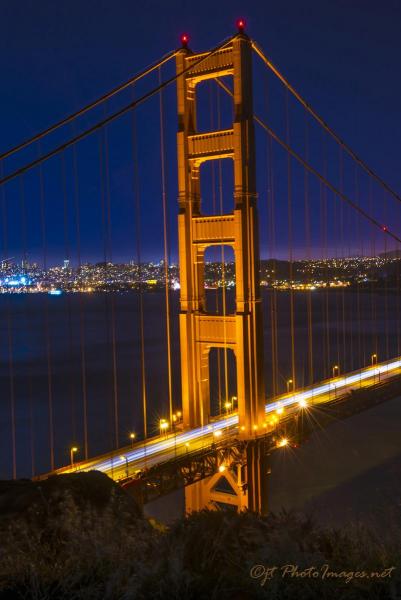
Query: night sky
{"x": 55, "y": 57}
{"x": 93, "y": 203}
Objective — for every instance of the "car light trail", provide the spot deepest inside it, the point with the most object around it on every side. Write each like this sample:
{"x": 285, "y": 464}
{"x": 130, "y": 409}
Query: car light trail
{"x": 228, "y": 423}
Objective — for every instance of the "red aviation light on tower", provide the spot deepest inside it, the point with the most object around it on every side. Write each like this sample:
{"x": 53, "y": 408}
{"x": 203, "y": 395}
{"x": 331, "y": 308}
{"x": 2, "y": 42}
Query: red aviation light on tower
{"x": 184, "y": 40}
{"x": 240, "y": 23}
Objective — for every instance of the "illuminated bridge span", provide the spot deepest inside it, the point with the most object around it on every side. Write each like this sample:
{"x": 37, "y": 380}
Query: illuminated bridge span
{"x": 285, "y": 298}
{"x": 169, "y": 445}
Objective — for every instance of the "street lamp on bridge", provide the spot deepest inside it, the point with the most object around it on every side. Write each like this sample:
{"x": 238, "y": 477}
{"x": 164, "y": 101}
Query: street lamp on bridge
{"x": 72, "y": 452}
{"x": 373, "y": 358}
{"x": 228, "y": 406}
{"x": 163, "y": 426}
{"x": 290, "y": 382}
{"x": 336, "y": 370}
{"x": 132, "y": 438}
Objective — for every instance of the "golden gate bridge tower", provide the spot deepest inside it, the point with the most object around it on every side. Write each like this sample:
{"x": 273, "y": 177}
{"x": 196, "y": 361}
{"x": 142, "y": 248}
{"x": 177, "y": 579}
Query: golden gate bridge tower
{"x": 200, "y": 331}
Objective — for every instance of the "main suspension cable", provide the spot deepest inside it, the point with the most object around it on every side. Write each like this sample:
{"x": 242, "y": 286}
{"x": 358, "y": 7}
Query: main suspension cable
{"x": 384, "y": 228}
{"x": 319, "y": 176}
{"x": 89, "y": 106}
{"x": 122, "y": 111}
{"x": 323, "y": 123}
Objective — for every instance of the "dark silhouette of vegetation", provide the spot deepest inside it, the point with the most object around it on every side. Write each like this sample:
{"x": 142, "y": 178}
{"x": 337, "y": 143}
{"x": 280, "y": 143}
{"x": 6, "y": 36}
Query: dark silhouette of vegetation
{"x": 82, "y": 537}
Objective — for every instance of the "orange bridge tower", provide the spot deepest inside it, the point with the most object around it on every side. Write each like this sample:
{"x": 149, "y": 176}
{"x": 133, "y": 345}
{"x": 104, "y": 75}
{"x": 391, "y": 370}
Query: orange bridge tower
{"x": 200, "y": 331}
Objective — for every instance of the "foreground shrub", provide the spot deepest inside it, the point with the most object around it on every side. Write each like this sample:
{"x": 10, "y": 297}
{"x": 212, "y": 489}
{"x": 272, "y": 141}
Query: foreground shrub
{"x": 82, "y": 537}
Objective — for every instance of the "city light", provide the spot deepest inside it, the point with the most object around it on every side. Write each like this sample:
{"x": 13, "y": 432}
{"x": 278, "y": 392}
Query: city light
{"x": 308, "y": 275}
{"x": 283, "y": 442}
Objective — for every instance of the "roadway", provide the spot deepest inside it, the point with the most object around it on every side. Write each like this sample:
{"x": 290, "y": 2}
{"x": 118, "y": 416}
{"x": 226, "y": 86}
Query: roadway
{"x": 129, "y": 460}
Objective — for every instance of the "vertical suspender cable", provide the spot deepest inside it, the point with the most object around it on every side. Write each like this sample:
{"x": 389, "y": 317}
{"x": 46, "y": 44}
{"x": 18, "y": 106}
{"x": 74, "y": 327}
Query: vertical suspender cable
{"x": 214, "y": 208}
{"x": 360, "y": 253}
{"x": 47, "y": 328}
{"x": 12, "y": 389}
{"x": 335, "y": 238}
{"x": 113, "y": 304}
{"x": 223, "y": 287}
{"x": 165, "y": 244}
{"x": 272, "y": 250}
{"x": 81, "y": 309}
{"x": 137, "y": 198}
{"x": 324, "y": 276}
{"x": 373, "y": 285}
{"x": 290, "y": 241}
{"x": 9, "y": 338}
{"x": 223, "y": 263}
{"x": 271, "y": 227}
{"x": 350, "y": 308}
{"x": 67, "y": 254}
{"x": 386, "y": 273}
{"x": 309, "y": 255}
{"x": 26, "y": 316}
{"x": 344, "y": 362}
{"x": 105, "y": 256}
{"x": 325, "y": 258}
{"x": 397, "y": 287}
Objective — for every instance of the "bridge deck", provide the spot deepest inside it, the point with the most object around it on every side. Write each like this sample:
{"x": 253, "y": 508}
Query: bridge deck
{"x": 163, "y": 448}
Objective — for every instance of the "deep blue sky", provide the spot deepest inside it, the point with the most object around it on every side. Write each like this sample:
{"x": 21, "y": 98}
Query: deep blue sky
{"x": 342, "y": 56}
